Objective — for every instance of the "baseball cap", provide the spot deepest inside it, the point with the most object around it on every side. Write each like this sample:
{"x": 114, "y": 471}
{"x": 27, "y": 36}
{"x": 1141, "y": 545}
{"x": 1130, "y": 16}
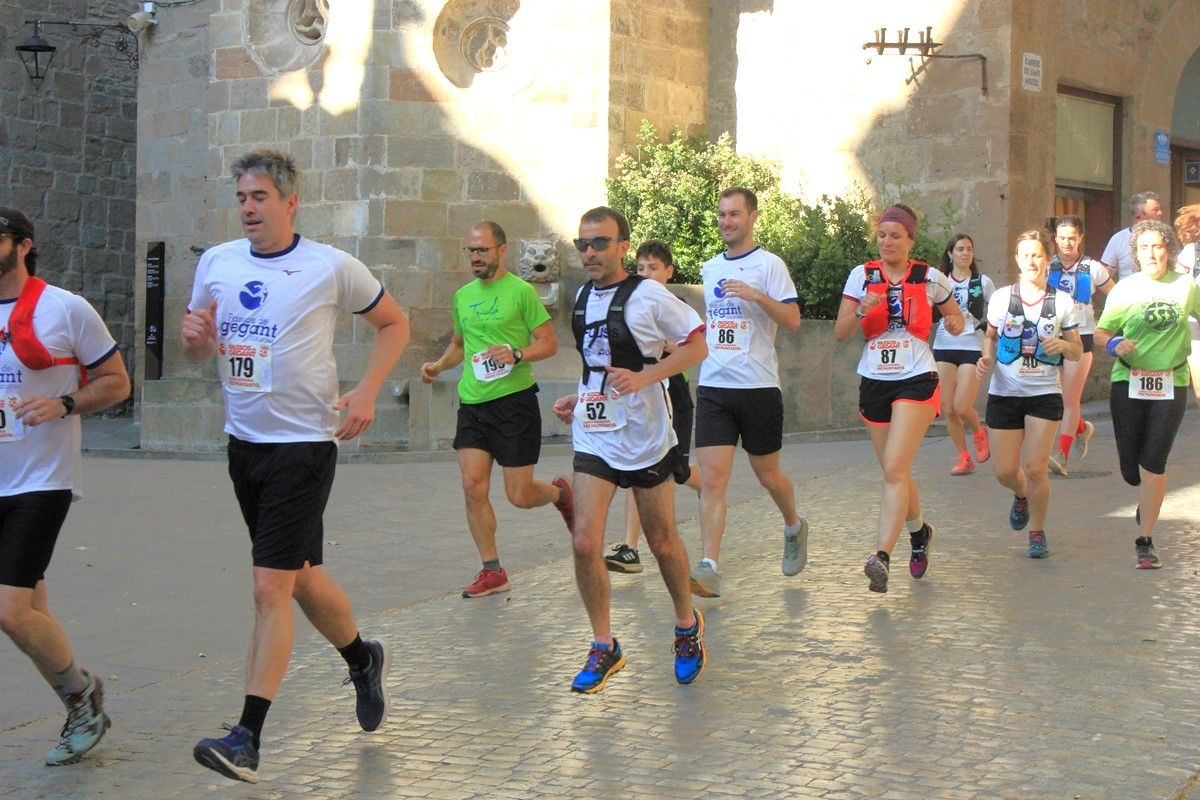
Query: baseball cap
{"x": 16, "y": 223}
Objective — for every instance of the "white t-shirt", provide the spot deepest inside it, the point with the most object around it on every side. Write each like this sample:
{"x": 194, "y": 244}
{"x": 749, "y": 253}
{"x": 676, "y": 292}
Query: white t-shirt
{"x": 1085, "y": 313}
{"x": 1189, "y": 262}
{"x": 46, "y": 457}
{"x": 1022, "y": 378}
{"x": 275, "y": 321}
{"x": 971, "y": 338}
{"x": 1117, "y": 254}
{"x": 912, "y": 355}
{"x": 741, "y": 334}
{"x": 655, "y": 317}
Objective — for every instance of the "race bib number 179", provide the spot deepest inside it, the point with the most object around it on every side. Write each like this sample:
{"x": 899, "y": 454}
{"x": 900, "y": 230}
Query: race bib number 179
{"x": 245, "y": 367}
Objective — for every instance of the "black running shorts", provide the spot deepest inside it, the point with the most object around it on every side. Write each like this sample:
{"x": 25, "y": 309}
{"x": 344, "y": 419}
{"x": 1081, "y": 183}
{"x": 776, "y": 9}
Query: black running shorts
{"x": 755, "y": 415}
{"x": 29, "y": 527}
{"x": 645, "y": 478}
{"x": 509, "y": 428}
{"x": 1009, "y": 413}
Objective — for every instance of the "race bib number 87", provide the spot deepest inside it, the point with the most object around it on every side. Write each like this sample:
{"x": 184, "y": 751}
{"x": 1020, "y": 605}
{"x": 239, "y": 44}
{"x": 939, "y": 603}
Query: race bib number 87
{"x": 245, "y": 367}
{"x": 889, "y": 356}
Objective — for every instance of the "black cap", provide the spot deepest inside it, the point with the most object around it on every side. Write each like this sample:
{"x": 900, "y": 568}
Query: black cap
{"x": 15, "y": 222}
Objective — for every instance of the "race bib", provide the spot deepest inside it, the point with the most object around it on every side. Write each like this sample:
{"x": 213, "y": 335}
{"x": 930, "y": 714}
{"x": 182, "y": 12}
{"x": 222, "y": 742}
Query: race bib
{"x": 488, "y": 369}
{"x": 598, "y": 411}
{"x": 729, "y": 335}
{"x": 1037, "y": 370}
{"x": 245, "y": 367}
{"x": 1148, "y": 384}
{"x": 889, "y": 356}
{"x": 11, "y": 428}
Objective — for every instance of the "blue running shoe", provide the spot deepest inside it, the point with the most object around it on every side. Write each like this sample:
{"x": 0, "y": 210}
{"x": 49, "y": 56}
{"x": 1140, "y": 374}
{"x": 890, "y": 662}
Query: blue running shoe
{"x": 233, "y": 755}
{"x": 1037, "y": 544}
{"x": 603, "y": 662}
{"x": 370, "y": 685}
{"x": 1018, "y": 515}
{"x": 690, "y": 654}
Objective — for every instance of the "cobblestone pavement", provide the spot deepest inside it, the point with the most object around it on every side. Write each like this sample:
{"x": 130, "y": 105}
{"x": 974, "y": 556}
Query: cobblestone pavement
{"x": 995, "y": 676}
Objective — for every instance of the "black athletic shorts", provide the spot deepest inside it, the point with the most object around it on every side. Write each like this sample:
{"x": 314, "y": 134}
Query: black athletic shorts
{"x": 282, "y": 489}
{"x": 683, "y": 410}
{"x": 29, "y": 527}
{"x": 756, "y": 415}
{"x": 1089, "y": 343}
{"x": 1144, "y": 429}
{"x": 644, "y": 478}
{"x": 876, "y": 397}
{"x": 509, "y": 428}
{"x": 1009, "y": 413}
{"x": 959, "y": 358}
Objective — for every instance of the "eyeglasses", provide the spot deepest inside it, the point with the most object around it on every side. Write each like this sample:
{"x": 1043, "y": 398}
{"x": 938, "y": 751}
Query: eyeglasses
{"x": 478, "y": 251}
{"x": 597, "y": 243}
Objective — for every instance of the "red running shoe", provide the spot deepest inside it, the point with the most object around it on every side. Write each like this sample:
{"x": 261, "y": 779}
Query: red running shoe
{"x": 488, "y": 581}
{"x": 566, "y": 502}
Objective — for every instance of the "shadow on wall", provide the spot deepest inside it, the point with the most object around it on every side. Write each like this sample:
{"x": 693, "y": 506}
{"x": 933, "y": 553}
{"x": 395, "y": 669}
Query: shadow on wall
{"x": 724, "y": 18}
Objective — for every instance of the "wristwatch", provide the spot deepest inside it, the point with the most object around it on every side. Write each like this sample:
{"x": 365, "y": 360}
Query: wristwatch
{"x": 68, "y": 403}
{"x": 518, "y": 356}
{"x": 858, "y": 312}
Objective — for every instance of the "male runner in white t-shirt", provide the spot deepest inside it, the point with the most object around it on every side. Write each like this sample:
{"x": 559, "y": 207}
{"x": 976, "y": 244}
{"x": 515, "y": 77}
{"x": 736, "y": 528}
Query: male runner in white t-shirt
{"x": 39, "y": 445}
{"x": 622, "y": 436}
{"x": 748, "y": 294}
{"x": 266, "y": 307}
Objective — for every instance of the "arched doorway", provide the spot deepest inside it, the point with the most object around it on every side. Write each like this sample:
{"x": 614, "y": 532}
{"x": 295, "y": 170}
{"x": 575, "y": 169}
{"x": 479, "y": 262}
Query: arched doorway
{"x": 1185, "y": 137}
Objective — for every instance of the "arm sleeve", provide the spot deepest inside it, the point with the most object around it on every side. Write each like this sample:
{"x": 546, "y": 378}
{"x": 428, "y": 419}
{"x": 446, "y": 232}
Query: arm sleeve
{"x": 997, "y": 309}
{"x": 358, "y": 289}
{"x": 1110, "y": 253}
{"x": 1114, "y": 309}
{"x": 92, "y": 342}
{"x": 782, "y": 287}
{"x": 200, "y": 296}
{"x": 938, "y": 288}
{"x": 989, "y": 288}
{"x": 532, "y": 310}
{"x": 853, "y": 289}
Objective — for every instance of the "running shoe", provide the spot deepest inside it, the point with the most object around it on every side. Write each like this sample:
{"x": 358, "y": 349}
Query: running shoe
{"x": 623, "y": 559}
{"x": 371, "y": 688}
{"x": 706, "y": 581}
{"x": 982, "y": 450}
{"x": 488, "y": 581}
{"x": 1146, "y": 557}
{"x": 566, "y": 501}
{"x": 1037, "y": 544}
{"x": 603, "y": 662}
{"x": 922, "y": 543}
{"x": 1058, "y": 463}
{"x": 795, "y": 549}
{"x": 85, "y": 725}
{"x": 1080, "y": 447}
{"x": 233, "y": 755}
{"x": 877, "y": 570}
{"x": 1018, "y": 515}
{"x": 690, "y": 654}
{"x": 965, "y": 465}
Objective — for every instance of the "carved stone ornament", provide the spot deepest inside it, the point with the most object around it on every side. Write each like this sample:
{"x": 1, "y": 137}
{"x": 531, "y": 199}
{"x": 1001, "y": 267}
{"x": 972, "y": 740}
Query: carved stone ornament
{"x": 470, "y": 37}
{"x": 285, "y": 35}
{"x": 539, "y": 261}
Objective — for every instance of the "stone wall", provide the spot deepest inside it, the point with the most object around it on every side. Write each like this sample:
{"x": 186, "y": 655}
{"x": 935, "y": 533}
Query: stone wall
{"x": 67, "y": 152}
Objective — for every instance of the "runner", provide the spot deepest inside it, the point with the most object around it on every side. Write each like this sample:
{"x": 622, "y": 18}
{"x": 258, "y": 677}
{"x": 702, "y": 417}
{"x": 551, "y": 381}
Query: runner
{"x": 1031, "y": 329}
{"x": 654, "y": 261}
{"x": 1187, "y": 226}
{"x": 1077, "y": 276}
{"x": 621, "y": 430}
{"x": 891, "y": 301}
{"x": 265, "y": 305}
{"x": 956, "y": 355}
{"x": 1144, "y": 326}
{"x": 39, "y": 437}
{"x": 499, "y": 319}
{"x": 748, "y": 294}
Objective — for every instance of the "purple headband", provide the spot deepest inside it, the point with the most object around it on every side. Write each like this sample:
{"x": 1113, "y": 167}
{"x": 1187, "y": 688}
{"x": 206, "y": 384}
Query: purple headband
{"x": 897, "y": 214}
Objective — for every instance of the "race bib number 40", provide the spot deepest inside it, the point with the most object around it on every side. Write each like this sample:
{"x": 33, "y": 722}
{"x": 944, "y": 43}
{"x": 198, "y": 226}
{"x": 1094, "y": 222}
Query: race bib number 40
{"x": 11, "y": 428}
{"x": 598, "y": 411}
{"x": 488, "y": 369}
{"x": 729, "y": 335}
{"x": 889, "y": 356}
{"x": 1145, "y": 384}
{"x": 245, "y": 367}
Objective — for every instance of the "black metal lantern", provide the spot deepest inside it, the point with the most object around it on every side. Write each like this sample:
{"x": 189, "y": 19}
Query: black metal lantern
{"x": 36, "y": 54}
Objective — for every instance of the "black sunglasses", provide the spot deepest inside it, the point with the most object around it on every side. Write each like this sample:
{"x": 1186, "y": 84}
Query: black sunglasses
{"x": 597, "y": 243}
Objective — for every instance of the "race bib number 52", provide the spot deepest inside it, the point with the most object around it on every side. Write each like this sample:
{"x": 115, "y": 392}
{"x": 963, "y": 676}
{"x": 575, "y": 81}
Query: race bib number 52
{"x": 245, "y": 367}
{"x": 600, "y": 411}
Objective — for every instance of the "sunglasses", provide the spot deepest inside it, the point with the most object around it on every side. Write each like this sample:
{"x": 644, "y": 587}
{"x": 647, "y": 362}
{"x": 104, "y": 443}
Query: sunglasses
{"x": 597, "y": 243}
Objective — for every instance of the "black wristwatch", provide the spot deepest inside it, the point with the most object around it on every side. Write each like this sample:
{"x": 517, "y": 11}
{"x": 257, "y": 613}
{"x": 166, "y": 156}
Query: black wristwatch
{"x": 68, "y": 403}
{"x": 518, "y": 356}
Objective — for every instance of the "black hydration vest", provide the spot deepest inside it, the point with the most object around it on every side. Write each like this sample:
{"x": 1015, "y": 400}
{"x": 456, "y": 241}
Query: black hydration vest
{"x": 624, "y": 348}
{"x": 975, "y": 305}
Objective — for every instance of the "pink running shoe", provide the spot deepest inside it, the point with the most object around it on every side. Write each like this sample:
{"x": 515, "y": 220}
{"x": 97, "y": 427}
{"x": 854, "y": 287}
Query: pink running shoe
{"x": 965, "y": 465}
{"x": 982, "y": 451}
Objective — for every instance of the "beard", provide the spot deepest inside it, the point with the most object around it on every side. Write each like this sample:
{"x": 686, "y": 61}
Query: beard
{"x": 8, "y": 263}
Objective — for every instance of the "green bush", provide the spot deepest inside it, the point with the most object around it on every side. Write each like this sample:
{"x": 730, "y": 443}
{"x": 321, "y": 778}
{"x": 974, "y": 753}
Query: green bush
{"x": 669, "y": 191}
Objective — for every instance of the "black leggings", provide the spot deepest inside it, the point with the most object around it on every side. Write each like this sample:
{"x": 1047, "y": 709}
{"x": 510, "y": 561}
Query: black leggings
{"x": 1145, "y": 430}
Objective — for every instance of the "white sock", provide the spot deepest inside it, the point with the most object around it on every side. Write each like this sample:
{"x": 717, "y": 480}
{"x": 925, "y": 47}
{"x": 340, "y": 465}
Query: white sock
{"x": 915, "y": 525}
{"x": 794, "y": 528}
{"x": 711, "y": 563}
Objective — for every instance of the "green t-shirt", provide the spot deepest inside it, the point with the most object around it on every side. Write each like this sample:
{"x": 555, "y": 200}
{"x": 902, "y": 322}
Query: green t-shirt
{"x": 1154, "y": 313}
{"x": 501, "y": 312}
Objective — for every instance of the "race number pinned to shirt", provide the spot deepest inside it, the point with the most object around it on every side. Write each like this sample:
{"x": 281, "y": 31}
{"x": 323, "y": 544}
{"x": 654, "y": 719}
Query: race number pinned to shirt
{"x": 245, "y": 367}
{"x": 729, "y": 335}
{"x": 1148, "y": 384}
{"x": 12, "y": 429}
{"x": 600, "y": 411}
{"x": 890, "y": 356}
{"x": 488, "y": 369}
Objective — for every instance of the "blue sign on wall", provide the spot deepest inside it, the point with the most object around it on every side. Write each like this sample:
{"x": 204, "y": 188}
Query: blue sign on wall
{"x": 1162, "y": 147}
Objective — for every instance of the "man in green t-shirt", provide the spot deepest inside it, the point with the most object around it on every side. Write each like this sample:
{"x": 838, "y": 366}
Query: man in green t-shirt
{"x": 501, "y": 323}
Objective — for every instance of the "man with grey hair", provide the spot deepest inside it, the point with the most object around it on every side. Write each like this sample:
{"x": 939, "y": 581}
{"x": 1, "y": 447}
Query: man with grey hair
{"x": 1118, "y": 255}
{"x": 265, "y": 306}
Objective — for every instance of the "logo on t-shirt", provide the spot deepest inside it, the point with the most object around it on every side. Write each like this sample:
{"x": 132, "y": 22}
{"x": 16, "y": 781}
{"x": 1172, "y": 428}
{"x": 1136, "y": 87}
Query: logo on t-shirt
{"x": 491, "y": 311}
{"x": 254, "y": 295}
{"x": 719, "y": 289}
{"x": 10, "y": 377}
{"x": 1160, "y": 315}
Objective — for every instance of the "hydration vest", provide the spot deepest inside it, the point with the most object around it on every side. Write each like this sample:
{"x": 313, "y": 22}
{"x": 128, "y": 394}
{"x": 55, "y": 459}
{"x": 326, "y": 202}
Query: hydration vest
{"x": 975, "y": 305}
{"x": 1010, "y": 348}
{"x": 623, "y": 348}
{"x": 21, "y": 336}
{"x": 915, "y": 310}
{"x": 1083, "y": 278}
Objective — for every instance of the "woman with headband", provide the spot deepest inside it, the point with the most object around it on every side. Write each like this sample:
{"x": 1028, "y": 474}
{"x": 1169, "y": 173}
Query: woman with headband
{"x": 891, "y": 302}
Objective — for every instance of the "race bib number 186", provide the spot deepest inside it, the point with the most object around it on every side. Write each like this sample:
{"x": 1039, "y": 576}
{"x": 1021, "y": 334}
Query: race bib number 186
{"x": 1145, "y": 384}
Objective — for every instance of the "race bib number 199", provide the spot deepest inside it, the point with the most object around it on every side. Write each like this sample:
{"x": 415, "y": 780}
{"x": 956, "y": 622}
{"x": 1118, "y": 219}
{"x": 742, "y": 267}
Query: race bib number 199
{"x": 889, "y": 356}
{"x": 245, "y": 367}
{"x": 488, "y": 369}
{"x": 1145, "y": 384}
{"x": 11, "y": 428}
{"x": 597, "y": 411}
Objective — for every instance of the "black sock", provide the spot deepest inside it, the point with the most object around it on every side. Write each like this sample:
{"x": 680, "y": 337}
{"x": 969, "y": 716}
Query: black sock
{"x": 254, "y": 714}
{"x": 493, "y": 565}
{"x": 356, "y": 654}
{"x": 884, "y": 557}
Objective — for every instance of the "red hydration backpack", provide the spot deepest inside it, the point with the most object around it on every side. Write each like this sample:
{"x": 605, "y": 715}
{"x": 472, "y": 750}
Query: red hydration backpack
{"x": 916, "y": 311}
{"x": 28, "y": 348}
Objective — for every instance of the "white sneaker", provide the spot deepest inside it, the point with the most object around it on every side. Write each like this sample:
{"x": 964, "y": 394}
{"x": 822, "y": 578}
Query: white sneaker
{"x": 706, "y": 581}
{"x": 85, "y": 725}
{"x": 1080, "y": 448}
